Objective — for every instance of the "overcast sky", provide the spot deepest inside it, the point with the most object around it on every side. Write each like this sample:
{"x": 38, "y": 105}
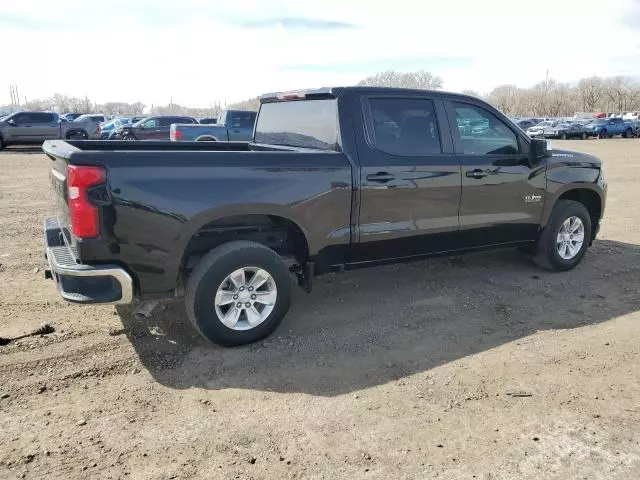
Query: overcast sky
{"x": 202, "y": 51}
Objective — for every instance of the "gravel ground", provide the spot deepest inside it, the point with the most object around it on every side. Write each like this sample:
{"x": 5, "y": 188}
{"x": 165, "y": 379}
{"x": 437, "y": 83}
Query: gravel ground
{"x": 481, "y": 366}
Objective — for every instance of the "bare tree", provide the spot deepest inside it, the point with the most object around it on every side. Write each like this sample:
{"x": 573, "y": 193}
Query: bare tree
{"x": 470, "y": 92}
{"x": 505, "y": 98}
{"x": 250, "y": 104}
{"x": 590, "y": 91}
{"x": 421, "y": 80}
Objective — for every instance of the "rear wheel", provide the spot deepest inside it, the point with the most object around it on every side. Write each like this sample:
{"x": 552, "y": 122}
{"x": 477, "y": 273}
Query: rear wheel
{"x": 627, "y": 133}
{"x": 77, "y": 135}
{"x": 563, "y": 136}
{"x": 565, "y": 239}
{"x": 238, "y": 293}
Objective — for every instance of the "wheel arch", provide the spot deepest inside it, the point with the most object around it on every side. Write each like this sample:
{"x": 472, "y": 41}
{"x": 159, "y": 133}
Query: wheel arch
{"x": 589, "y": 195}
{"x": 274, "y": 228}
{"x": 206, "y": 138}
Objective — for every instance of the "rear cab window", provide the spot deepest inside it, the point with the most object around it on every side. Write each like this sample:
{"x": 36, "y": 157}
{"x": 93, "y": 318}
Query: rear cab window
{"x": 299, "y": 123}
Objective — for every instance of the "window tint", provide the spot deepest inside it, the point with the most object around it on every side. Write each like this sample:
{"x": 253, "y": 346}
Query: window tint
{"x": 28, "y": 118}
{"x": 403, "y": 126}
{"x": 152, "y": 123}
{"x": 301, "y": 123}
{"x": 243, "y": 119}
{"x": 45, "y": 117}
{"x": 482, "y": 133}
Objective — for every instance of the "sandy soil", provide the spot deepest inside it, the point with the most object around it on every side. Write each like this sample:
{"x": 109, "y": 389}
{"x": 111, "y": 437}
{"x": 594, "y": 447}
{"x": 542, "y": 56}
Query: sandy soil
{"x": 481, "y": 366}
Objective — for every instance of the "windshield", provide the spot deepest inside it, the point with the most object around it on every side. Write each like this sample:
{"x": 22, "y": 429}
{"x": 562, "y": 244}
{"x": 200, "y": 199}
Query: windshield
{"x": 305, "y": 123}
{"x": 546, "y": 124}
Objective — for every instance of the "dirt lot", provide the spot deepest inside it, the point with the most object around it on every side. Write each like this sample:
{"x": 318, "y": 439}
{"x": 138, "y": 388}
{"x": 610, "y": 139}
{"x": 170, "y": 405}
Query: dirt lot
{"x": 481, "y": 366}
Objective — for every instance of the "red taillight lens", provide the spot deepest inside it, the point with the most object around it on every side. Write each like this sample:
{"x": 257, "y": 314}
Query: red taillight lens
{"x": 85, "y": 218}
{"x": 177, "y": 135}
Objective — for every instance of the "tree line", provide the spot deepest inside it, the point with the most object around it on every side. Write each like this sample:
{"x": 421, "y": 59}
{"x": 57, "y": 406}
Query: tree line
{"x": 548, "y": 98}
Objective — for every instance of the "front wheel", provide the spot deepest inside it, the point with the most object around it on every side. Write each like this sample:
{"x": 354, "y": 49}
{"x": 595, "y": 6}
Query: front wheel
{"x": 238, "y": 293}
{"x": 627, "y": 133}
{"x": 79, "y": 135}
{"x": 602, "y": 134}
{"x": 583, "y": 136}
{"x": 2, "y": 144}
{"x": 563, "y": 136}
{"x": 565, "y": 239}
{"x": 129, "y": 137}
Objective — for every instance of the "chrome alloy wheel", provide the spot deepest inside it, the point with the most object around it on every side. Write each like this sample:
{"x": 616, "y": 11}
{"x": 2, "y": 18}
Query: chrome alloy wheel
{"x": 245, "y": 298}
{"x": 570, "y": 238}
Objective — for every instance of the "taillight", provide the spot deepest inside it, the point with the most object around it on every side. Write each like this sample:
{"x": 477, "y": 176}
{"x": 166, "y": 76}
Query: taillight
{"x": 85, "y": 218}
{"x": 177, "y": 134}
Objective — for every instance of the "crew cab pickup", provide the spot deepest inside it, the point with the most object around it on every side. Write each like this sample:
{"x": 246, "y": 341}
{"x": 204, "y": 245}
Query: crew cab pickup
{"x": 24, "y": 128}
{"x": 233, "y": 125}
{"x": 335, "y": 178}
{"x": 608, "y": 127}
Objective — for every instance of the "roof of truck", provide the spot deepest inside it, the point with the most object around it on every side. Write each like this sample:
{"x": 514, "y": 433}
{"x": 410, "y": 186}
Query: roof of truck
{"x": 334, "y": 92}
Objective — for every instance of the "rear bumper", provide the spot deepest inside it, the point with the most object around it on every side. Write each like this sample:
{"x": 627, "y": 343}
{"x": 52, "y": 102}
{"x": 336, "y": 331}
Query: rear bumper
{"x": 81, "y": 283}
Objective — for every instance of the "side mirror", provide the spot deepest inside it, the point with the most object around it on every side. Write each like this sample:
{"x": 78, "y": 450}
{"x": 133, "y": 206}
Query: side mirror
{"x": 538, "y": 149}
{"x": 11, "y": 122}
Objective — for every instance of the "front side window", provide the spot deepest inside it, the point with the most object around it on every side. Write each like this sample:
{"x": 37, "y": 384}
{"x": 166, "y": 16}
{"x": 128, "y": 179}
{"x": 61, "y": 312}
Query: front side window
{"x": 152, "y": 123}
{"x": 403, "y": 126}
{"x": 482, "y": 133}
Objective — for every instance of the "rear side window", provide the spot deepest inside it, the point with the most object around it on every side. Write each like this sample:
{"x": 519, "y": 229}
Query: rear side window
{"x": 243, "y": 119}
{"x": 302, "y": 123}
{"x": 482, "y": 133}
{"x": 403, "y": 126}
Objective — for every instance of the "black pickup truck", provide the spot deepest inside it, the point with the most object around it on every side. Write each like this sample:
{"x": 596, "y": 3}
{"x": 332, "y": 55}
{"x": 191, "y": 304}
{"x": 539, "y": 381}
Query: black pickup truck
{"x": 334, "y": 178}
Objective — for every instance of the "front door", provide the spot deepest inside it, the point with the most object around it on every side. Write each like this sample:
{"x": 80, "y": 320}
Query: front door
{"x": 147, "y": 130}
{"x": 502, "y": 194}
{"x": 410, "y": 179}
{"x": 21, "y": 128}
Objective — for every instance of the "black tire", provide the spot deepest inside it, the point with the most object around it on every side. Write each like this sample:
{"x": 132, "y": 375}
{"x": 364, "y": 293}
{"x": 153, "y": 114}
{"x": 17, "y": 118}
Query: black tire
{"x": 602, "y": 134}
{"x": 563, "y": 136}
{"x": 2, "y": 144}
{"x": 129, "y": 137}
{"x": 212, "y": 270}
{"x": 583, "y": 136}
{"x": 77, "y": 135}
{"x": 547, "y": 255}
{"x": 627, "y": 133}
{"x": 206, "y": 139}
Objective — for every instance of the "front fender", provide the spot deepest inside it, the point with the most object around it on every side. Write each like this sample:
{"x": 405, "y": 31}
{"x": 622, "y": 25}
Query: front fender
{"x": 562, "y": 178}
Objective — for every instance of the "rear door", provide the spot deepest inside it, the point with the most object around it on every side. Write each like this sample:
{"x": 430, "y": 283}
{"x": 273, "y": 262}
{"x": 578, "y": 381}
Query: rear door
{"x": 45, "y": 126}
{"x": 502, "y": 195}
{"x": 241, "y": 128}
{"x": 410, "y": 178}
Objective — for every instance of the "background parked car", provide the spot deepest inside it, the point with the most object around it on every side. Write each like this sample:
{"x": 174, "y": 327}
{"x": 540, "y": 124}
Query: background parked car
{"x": 208, "y": 121}
{"x": 565, "y": 130}
{"x": 525, "y": 124}
{"x": 35, "y": 127}
{"x": 152, "y": 128}
{"x": 234, "y": 126}
{"x": 607, "y": 127}
{"x": 108, "y": 129}
{"x": 69, "y": 117}
{"x": 537, "y": 130}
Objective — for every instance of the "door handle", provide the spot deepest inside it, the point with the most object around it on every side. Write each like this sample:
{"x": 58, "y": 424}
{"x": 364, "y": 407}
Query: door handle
{"x": 477, "y": 173}
{"x": 380, "y": 177}
{"x": 158, "y": 130}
